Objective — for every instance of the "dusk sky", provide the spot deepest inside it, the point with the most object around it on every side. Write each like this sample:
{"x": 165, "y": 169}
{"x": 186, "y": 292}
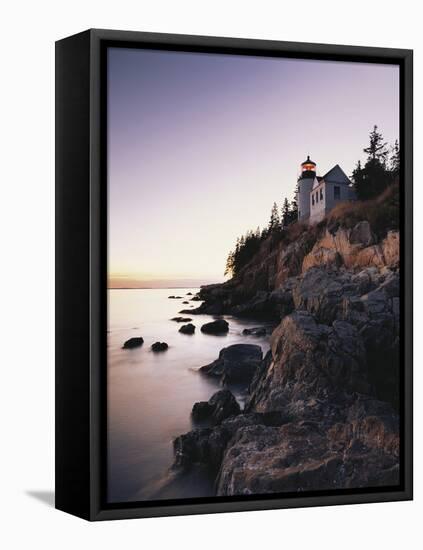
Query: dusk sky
{"x": 201, "y": 145}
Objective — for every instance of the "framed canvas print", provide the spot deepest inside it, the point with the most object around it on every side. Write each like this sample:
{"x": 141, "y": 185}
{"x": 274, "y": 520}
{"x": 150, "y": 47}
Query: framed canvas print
{"x": 234, "y": 274}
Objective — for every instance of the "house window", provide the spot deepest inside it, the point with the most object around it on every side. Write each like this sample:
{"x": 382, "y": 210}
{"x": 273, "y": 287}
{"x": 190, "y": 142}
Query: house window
{"x": 312, "y": 199}
{"x": 321, "y": 193}
{"x": 317, "y": 196}
{"x": 336, "y": 192}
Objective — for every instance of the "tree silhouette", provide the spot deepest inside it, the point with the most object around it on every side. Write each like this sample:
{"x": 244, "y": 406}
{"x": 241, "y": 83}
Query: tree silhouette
{"x": 274, "y": 221}
{"x": 377, "y": 174}
{"x": 377, "y": 149}
{"x": 286, "y": 214}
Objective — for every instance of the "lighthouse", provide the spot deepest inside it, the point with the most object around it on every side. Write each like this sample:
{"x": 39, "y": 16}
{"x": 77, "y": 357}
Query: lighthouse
{"x": 305, "y": 185}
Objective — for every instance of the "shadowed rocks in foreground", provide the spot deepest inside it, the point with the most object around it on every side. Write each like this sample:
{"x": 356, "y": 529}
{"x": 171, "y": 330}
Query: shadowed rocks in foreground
{"x": 236, "y": 364}
{"x": 220, "y": 406}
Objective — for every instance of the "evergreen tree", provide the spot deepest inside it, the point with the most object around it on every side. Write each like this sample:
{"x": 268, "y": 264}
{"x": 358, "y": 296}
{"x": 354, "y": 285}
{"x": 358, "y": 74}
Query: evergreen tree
{"x": 377, "y": 149}
{"x": 375, "y": 176}
{"x": 293, "y": 207}
{"x": 394, "y": 161}
{"x": 286, "y": 214}
{"x": 274, "y": 221}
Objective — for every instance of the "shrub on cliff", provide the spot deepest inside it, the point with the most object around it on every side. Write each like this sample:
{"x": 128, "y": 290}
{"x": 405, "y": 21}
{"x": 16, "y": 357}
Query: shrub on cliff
{"x": 381, "y": 212}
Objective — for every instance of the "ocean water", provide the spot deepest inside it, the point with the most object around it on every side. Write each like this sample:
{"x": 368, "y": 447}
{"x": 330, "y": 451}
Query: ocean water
{"x": 150, "y": 395}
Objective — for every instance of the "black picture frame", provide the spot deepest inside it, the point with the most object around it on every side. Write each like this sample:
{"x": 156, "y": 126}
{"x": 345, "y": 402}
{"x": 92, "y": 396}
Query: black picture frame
{"x": 81, "y": 273}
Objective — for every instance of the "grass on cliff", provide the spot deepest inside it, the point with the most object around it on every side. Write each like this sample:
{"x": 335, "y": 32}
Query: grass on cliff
{"x": 382, "y": 212}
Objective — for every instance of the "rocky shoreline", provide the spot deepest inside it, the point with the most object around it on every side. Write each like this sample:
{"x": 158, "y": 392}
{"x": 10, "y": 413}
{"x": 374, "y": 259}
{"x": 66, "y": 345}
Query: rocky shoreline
{"x": 322, "y": 406}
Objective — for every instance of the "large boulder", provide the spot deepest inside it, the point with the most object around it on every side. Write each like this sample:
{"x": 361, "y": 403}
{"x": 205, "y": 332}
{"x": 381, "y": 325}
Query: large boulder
{"x": 220, "y": 406}
{"x": 220, "y": 326}
{"x": 235, "y": 364}
{"x": 361, "y": 233}
{"x": 310, "y": 362}
{"x": 322, "y": 291}
{"x": 357, "y": 452}
{"x": 133, "y": 343}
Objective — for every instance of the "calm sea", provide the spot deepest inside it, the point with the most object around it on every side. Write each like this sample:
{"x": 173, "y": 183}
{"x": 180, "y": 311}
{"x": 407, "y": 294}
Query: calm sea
{"x": 150, "y": 395}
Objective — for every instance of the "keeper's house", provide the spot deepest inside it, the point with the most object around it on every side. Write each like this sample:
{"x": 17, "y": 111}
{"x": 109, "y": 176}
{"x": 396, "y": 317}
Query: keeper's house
{"x": 317, "y": 195}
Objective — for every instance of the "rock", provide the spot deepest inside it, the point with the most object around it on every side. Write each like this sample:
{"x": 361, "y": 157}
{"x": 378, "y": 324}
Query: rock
{"x": 321, "y": 292}
{"x": 235, "y": 364}
{"x": 310, "y": 361}
{"x": 361, "y": 233}
{"x": 159, "y": 346}
{"x": 185, "y": 302}
{"x": 321, "y": 410}
{"x": 220, "y": 326}
{"x": 304, "y": 456}
{"x": 202, "y": 446}
{"x": 189, "y": 294}
{"x": 181, "y": 319}
{"x": 255, "y": 331}
{"x": 206, "y": 446}
{"x": 220, "y": 406}
{"x": 133, "y": 343}
{"x": 187, "y": 329}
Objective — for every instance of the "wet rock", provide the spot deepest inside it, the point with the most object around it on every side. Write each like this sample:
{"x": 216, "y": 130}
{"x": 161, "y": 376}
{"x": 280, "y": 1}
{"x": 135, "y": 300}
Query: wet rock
{"x": 187, "y": 329}
{"x": 235, "y": 364}
{"x": 133, "y": 343}
{"x": 220, "y": 406}
{"x": 181, "y": 319}
{"x": 159, "y": 346}
{"x": 185, "y": 302}
{"x": 220, "y": 326}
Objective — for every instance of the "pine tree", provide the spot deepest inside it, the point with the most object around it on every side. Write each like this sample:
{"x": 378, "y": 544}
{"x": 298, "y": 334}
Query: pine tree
{"x": 358, "y": 179}
{"x": 293, "y": 207}
{"x": 377, "y": 149}
{"x": 375, "y": 176}
{"x": 286, "y": 214}
{"x": 274, "y": 221}
{"x": 394, "y": 161}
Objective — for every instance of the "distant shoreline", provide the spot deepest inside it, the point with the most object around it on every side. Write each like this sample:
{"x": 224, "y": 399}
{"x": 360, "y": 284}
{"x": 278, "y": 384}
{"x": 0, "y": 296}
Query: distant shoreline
{"x": 150, "y": 287}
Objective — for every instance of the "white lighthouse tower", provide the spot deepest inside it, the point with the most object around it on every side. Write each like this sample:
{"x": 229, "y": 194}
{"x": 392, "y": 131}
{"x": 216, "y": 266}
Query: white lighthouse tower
{"x": 305, "y": 185}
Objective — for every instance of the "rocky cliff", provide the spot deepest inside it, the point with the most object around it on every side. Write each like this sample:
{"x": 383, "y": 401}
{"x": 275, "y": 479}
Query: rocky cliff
{"x": 322, "y": 410}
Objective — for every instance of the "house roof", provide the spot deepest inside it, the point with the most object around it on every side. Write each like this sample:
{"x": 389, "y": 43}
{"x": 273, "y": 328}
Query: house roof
{"x": 337, "y": 175}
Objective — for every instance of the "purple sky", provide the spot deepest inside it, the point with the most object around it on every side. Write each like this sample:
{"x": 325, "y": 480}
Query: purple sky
{"x": 201, "y": 145}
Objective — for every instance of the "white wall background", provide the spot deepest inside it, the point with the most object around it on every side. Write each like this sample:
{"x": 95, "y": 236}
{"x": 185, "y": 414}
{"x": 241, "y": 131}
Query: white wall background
{"x": 28, "y": 31}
